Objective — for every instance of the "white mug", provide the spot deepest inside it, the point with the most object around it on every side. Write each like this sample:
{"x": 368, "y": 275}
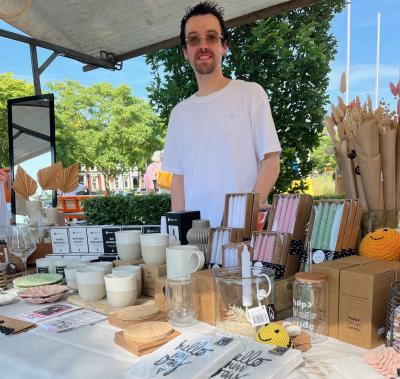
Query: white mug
{"x": 128, "y": 244}
{"x": 121, "y": 288}
{"x": 90, "y": 281}
{"x": 153, "y": 248}
{"x": 135, "y": 270}
{"x": 183, "y": 260}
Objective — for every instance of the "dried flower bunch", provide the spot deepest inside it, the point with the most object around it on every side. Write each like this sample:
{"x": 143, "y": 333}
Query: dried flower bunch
{"x": 53, "y": 177}
{"x": 365, "y": 143}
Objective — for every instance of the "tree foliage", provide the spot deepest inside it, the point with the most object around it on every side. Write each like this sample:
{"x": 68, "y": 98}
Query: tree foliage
{"x": 104, "y": 126}
{"x": 288, "y": 55}
{"x": 322, "y": 156}
{"x": 10, "y": 88}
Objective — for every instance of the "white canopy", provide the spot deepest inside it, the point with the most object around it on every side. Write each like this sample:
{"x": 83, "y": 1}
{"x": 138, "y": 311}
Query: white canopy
{"x": 125, "y": 28}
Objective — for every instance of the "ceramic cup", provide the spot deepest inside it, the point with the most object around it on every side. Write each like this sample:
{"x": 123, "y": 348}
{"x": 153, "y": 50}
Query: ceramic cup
{"x": 135, "y": 270}
{"x": 121, "y": 288}
{"x": 128, "y": 244}
{"x": 105, "y": 264}
{"x": 90, "y": 281}
{"x": 183, "y": 260}
{"x": 61, "y": 264}
{"x": 153, "y": 248}
{"x": 70, "y": 275}
{"x": 42, "y": 265}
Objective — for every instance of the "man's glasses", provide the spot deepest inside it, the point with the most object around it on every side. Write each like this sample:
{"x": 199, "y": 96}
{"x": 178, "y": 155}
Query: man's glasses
{"x": 210, "y": 38}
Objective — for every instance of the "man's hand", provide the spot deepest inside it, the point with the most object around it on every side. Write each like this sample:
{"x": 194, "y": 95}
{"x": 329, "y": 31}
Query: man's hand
{"x": 267, "y": 176}
{"x": 177, "y": 193}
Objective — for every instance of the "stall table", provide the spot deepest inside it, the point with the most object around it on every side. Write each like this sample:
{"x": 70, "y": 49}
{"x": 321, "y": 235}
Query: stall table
{"x": 90, "y": 352}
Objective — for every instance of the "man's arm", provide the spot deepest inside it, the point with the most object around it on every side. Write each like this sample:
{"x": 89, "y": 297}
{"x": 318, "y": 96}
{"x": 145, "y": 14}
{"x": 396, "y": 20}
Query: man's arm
{"x": 267, "y": 176}
{"x": 177, "y": 193}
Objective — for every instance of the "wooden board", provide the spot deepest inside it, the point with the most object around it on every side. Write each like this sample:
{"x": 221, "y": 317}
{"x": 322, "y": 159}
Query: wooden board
{"x": 102, "y": 306}
{"x": 118, "y": 323}
{"x": 142, "y": 348}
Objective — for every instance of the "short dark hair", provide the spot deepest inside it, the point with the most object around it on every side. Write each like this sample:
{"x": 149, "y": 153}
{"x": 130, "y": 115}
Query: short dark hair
{"x": 203, "y": 8}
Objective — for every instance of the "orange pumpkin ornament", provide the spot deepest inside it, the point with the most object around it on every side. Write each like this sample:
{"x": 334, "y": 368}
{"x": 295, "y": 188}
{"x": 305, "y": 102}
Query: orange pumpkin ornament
{"x": 382, "y": 243}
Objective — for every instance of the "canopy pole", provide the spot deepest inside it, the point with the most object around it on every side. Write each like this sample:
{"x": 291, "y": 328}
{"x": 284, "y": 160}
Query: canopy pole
{"x": 35, "y": 70}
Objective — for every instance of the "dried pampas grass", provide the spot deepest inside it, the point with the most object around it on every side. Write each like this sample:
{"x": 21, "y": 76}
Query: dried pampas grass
{"x": 24, "y": 185}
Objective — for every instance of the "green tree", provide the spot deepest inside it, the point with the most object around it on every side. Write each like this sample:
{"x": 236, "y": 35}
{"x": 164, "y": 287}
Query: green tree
{"x": 104, "y": 126}
{"x": 322, "y": 156}
{"x": 289, "y": 56}
{"x": 10, "y": 88}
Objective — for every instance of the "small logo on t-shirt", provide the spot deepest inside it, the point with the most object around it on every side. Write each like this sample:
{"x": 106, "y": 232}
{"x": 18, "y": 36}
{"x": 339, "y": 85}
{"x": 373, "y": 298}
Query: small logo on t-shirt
{"x": 232, "y": 116}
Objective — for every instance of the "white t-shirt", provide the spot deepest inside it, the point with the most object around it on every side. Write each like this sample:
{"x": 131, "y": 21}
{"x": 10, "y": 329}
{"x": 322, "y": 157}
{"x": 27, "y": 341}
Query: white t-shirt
{"x": 217, "y": 143}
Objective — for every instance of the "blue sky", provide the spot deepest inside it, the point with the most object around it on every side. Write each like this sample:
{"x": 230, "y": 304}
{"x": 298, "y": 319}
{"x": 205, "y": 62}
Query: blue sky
{"x": 14, "y": 56}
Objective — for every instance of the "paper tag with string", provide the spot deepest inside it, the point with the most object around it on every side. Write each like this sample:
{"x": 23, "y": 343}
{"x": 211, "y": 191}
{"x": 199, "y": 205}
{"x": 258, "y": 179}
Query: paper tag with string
{"x": 258, "y": 316}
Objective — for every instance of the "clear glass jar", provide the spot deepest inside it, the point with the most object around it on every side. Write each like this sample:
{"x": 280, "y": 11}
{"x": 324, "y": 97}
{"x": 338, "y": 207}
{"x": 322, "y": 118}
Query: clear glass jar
{"x": 310, "y": 304}
{"x": 230, "y": 288}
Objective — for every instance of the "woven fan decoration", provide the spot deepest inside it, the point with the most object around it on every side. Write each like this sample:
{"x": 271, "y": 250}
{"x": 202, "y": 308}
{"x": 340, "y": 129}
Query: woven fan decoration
{"x": 47, "y": 176}
{"x": 68, "y": 179}
{"x": 24, "y": 185}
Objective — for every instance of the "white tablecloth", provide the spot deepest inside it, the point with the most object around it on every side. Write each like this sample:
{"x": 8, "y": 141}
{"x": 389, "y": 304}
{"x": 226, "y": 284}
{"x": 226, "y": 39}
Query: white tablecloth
{"x": 90, "y": 352}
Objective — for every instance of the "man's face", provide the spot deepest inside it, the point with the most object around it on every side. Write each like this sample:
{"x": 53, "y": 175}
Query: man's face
{"x": 207, "y": 55}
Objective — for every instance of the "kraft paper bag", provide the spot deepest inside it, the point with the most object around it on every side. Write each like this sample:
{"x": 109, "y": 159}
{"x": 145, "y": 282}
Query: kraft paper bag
{"x": 366, "y": 141}
{"x": 346, "y": 169}
{"x": 398, "y": 170}
{"x": 357, "y": 178}
{"x": 387, "y": 147}
{"x": 370, "y": 172}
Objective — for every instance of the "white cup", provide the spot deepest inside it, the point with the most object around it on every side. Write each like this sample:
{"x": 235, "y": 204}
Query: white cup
{"x": 153, "y": 248}
{"x": 90, "y": 281}
{"x": 70, "y": 275}
{"x": 135, "y": 270}
{"x": 42, "y": 265}
{"x": 52, "y": 262}
{"x": 104, "y": 264}
{"x": 121, "y": 288}
{"x": 183, "y": 260}
{"x": 128, "y": 244}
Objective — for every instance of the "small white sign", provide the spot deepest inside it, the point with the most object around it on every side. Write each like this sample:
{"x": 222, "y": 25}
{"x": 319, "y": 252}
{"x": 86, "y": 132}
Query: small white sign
{"x": 78, "y": 240}
{"x": 59, "y": 240}
{"x": 318, "y": 256}
{"x": 258, "y": 315}
{"x": 95, "y": 240}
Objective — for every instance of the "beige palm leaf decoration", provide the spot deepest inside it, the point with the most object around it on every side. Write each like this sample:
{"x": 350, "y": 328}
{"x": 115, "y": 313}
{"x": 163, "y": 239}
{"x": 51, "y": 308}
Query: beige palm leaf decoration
{"x": 24, "y": 185}
{"x": 47, "y": 176}
{"x": 68, "y": 179}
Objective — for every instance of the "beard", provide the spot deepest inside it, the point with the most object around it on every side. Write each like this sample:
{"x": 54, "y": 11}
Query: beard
{"x": 204, "y": 68}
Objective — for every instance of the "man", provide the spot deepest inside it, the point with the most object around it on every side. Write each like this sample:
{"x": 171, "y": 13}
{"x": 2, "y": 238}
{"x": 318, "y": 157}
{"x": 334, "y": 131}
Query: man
{"x": 222, "y": 139}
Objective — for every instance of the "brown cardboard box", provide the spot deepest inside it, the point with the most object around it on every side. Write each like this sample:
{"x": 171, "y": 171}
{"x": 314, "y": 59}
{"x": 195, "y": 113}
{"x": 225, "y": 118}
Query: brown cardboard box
{"x": 149, "y": 274}
{"x": 358, "y": 259}
{"x": 283, "y": 294}
{"x": 159, "y": 293}
{"x": 332, "y": 270}
{"x": 204, "y": 296}
{"x": 364, "y": 292}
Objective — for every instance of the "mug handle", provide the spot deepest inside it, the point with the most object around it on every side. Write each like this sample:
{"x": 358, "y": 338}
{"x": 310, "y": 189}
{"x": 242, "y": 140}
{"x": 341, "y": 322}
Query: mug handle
{"x": 200, "y": 257}
{"x": 269, "y": 284}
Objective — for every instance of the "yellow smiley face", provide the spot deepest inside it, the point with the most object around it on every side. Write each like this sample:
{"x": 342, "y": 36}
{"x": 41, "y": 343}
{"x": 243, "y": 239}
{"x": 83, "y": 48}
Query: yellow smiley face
{"x": 274, "y": 334}
{"x": 382, "y": 243}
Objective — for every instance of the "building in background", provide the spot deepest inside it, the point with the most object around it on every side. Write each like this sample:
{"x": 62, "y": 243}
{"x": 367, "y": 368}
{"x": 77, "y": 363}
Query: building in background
{"x": 95, "y": 180}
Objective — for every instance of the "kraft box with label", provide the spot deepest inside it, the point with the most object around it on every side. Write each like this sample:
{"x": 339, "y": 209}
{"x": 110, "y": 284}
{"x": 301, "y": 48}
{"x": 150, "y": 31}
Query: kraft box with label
{"x": 364, "y": 293}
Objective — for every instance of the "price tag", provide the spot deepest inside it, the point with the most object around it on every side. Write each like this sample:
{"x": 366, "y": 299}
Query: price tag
{"x": 258, "y": 316}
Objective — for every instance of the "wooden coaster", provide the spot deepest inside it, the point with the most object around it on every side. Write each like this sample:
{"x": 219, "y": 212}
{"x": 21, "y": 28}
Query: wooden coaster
{"x": 138, "y": 312}
{"x": 148, "y": 331}
{"x": 115, "y": 321}
{"x": 102, "y": 306}
{"x": 142, "y": 348}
